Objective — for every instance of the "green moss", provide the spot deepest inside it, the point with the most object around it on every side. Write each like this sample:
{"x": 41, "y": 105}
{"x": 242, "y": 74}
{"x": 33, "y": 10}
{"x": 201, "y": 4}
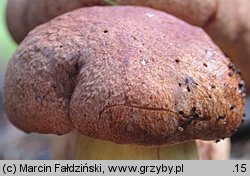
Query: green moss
{"x": 110, "y": 2}
{"x": 7, "y": 45}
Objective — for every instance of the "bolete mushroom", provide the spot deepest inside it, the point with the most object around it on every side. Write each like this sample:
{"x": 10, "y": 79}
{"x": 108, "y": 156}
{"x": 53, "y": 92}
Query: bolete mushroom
{"x": 24, "y": 15}
{"x": 136, "y": 83}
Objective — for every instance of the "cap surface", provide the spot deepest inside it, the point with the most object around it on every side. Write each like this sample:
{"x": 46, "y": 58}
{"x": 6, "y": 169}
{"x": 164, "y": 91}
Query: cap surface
{"x": 125, "y": 74}
{"x": 24, "y": 15}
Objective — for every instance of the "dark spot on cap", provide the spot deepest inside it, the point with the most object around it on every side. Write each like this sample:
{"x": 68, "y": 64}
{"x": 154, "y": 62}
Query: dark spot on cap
{"x": 177, "y": 60}
{"x": 218, "y": 140}
{"x": 193, "y": 109}
{"x": 151, "y": 97}
{"x": 241, "y": 84}
{"x": 230, "y": 74}
{"x": 53, "y": 86}
{"x": 181, "y": 112}
{"x": 188, "y": 89}
{"x": 105, "y": 31}
{"x": 134, "y": 38}
{"x": 179, "y": 84}
{"x": 213, "y": 87}
{"x": 205, "y": 64}
{"x": 232, "y": 106}
{"x": 231, "y": 66}
{"x": 242, "y": 121}
{"x": 221, "y": 117}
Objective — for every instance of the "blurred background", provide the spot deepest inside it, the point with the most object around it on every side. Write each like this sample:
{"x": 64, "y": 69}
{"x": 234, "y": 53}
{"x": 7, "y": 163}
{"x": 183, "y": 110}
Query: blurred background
{"x": 15, "y": 144}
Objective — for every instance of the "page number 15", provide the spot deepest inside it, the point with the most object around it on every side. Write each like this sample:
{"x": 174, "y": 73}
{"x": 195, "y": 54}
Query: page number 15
{"x": 240, "y": 168}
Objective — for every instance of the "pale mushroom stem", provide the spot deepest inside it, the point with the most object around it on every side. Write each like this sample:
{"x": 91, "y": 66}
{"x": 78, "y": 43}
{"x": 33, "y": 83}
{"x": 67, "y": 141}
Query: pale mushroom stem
{"x": 93, "y": 149}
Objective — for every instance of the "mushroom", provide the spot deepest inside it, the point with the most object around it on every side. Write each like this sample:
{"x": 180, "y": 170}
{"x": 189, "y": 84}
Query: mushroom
{"x": 24, "y": 15}
{"x": 136, "y": 83}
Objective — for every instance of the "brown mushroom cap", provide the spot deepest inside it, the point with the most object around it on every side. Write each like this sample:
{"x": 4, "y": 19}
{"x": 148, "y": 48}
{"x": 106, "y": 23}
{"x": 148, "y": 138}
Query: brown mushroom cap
{"x": 126, "y": 74}
{"x": 24, "y": 15}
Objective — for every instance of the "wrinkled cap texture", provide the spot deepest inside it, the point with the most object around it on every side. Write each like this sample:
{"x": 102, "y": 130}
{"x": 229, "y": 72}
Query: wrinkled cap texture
{"x": 130, "y": 75}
